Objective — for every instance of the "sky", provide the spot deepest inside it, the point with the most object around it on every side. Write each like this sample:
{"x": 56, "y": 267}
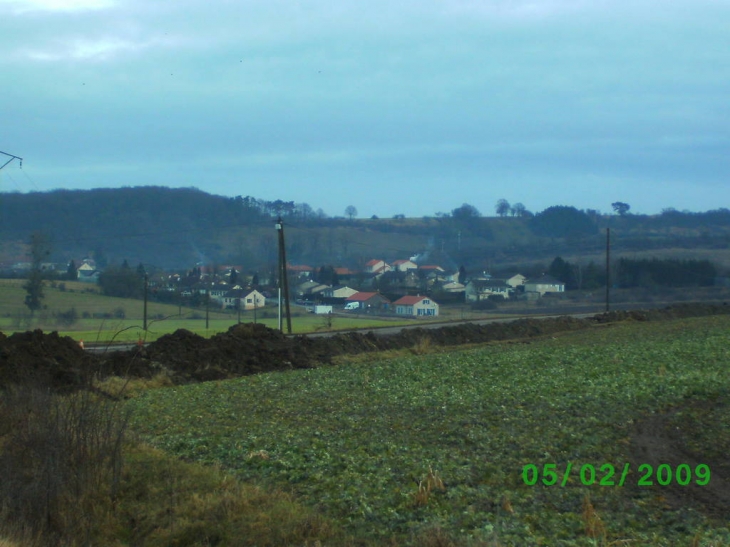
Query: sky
{"x": 396, "y": 107}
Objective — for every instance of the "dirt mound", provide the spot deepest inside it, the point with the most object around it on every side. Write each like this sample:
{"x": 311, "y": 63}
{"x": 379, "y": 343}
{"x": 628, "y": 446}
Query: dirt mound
{"x": 252, "y": 348}
{"x": 244, "y": 349}
{"x": 44, "y": 359}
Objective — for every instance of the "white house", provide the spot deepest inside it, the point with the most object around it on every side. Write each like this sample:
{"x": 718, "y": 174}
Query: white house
{"x": 404, "y": 265}
{"x": 340, "y": 291}
{"x": 516, "y": 280}
{"x": 377, "y": 267}
{"x": 480, "y": 289}
{"x": 418, "y": 306}
{"x": 544, "y": 285}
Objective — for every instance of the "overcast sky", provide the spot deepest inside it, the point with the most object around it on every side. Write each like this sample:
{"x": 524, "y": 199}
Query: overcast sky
{"x": 411, "y": 107}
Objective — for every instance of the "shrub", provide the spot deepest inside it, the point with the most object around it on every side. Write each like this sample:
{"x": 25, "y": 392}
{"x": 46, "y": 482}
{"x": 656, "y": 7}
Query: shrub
{"x": 60, "y": 460}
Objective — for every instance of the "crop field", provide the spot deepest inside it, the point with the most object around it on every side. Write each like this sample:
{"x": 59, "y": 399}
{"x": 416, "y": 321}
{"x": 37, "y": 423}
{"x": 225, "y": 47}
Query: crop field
{"x": 493, "y": 444}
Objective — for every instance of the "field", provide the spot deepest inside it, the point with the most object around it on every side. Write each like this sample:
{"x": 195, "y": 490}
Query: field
{"x": 436, "y": 446}
{"x": 105, "y": 318}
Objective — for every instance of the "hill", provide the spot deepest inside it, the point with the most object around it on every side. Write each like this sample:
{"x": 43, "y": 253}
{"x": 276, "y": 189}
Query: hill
{"x": 177, "y": 228}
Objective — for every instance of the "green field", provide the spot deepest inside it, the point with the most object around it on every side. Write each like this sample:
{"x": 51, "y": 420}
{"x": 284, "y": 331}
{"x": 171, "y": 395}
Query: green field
{"x": 355, "y": 441}
{"x": 105, "y": 318}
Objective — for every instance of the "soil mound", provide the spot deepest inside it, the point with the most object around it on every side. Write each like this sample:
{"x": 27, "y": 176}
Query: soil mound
{"x": 44, "y": 359}
{"x": 252, "y": 348}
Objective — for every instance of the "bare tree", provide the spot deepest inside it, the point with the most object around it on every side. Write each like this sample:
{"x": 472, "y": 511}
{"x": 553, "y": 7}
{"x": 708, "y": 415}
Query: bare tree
{"x": 351, "y": 211}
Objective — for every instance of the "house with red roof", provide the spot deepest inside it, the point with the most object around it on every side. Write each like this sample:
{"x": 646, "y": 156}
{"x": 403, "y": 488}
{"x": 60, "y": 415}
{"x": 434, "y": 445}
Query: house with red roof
{"x": 404, "y": 265}
{"x": 367, "y": 301}
{"x": 377, "y": 267}
{"x": 418, "y": 306}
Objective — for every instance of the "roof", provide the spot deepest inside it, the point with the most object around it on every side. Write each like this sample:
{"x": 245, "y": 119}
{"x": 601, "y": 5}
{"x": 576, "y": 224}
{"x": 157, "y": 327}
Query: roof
{"x": 495, "y": 283}
{"x": 363, "y": 296}
{"x": 409, "y": 300}
{"x": 430, "y": 267}
{"x": 343, "y": 271}
{"x": 299, "y": 268}
{"x": 544, "y": 280}
{"x": 373, "y": 262}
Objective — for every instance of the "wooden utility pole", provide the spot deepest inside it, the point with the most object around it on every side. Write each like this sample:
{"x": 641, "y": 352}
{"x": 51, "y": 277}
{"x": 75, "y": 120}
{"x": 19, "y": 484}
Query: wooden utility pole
{"x": 283, "y": 280}
{"x": 207, "y": 308}
{"x": 146, "y": 288}
{"x": 608, "y": 266}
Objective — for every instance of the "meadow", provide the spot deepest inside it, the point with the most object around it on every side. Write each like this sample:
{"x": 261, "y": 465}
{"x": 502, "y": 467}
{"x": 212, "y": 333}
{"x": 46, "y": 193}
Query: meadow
{"x": 102, "y": 319}
{"x": 408, "y": 446}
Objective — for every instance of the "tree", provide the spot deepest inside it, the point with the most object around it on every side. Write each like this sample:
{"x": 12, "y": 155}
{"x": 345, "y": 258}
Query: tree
{"x": 233, "y": 277}
{"x": 502, "y": 207}
{"x": 72, "y": 272}
{"x": 351, "y": 211}
{"x": 465, "y": 213}
{"x": 518, "y": 210}
{"x": 620, "y": 207}
{"x": 39, "y": 249}
{"x": 562, "y": 221}
{"x": 462, "y": 274}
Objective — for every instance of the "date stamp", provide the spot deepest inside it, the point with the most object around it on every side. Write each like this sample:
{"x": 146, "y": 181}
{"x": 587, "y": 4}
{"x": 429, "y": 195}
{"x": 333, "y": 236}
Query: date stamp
{"x": 607, "y": 475}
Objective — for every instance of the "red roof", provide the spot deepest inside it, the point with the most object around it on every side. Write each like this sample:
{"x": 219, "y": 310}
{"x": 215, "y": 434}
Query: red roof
{"x": 363, "y": 296}
{"x": 373, "y": 262}
{"x": 300, "y": 268}
{"x": 343, "y": 271}
{"x": 430, "y": 267}
{"x": 409, "y": 300}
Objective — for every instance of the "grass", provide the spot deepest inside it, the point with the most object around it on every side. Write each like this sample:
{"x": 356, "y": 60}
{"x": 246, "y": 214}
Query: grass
{"x": 162, "y": 318}
{"x": 371, "y": 443}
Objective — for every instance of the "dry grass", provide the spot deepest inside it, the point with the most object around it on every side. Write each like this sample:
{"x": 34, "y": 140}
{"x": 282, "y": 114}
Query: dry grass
{"x": 431, "y": 483}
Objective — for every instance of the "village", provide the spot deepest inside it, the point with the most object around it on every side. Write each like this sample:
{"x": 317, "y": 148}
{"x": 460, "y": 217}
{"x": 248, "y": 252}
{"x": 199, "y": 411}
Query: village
{"x": 400, "y": 287}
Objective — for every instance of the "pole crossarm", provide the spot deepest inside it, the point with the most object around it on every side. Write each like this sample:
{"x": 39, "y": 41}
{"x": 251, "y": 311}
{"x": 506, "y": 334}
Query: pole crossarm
{"x": 12, "y": 157}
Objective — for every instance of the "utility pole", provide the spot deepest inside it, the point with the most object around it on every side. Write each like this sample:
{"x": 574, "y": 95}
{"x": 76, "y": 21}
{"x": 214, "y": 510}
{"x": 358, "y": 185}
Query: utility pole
{"x": 608, "y": 265}
{"x": 146, "y": 287}
{"x": 283, "y": 281}
{"x": 12, "y": 157}
{"x": 207, "y": 308}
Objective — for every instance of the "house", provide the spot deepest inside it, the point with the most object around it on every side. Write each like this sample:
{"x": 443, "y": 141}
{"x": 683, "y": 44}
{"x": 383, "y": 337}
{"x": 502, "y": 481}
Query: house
{"x": 516, "y": 281}
{"x": 311, "y": 288}
{"x": 344, "y": 273}
{"x": 453, "y": 286}
{"x": 404, "y": 265}
{"x": 87, "y": 272}
{"x": 544, "y": 285}
{"x": 247, "y": 300}
{"x": 300, "y": 270}
{"x": 339, "y": 291}
{"x": 369, "y": 301}
{"x": 253, "y": 299}
{"x": 477, "y": 290}
{"x": 377, "y": 267}
{"x": 419, "y": 306}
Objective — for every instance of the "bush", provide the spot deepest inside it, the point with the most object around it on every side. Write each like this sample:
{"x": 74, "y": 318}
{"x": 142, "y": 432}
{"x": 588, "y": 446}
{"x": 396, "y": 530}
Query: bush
{"x": 484, "y": 305}
{"x": 67, "y": 318}
{"x": 60, "y": 461}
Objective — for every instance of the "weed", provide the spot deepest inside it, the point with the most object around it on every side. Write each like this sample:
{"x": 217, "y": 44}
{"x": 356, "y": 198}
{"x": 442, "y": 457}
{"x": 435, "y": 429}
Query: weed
{"x": 425, "y": 487}
{"x": 422, "y": 347}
